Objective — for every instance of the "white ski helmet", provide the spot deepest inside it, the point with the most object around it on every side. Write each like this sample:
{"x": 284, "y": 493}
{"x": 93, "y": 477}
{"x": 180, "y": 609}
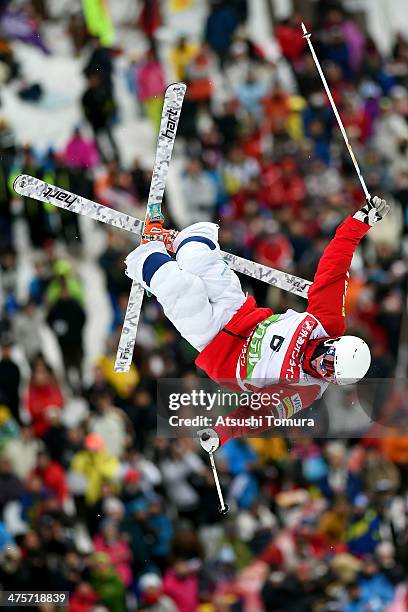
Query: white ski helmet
{"x": 352, "y": 359}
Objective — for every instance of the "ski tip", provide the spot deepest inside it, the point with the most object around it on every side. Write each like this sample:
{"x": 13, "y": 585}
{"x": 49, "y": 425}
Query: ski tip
{"x": 304, "y": 28}
{"x": 121, "y": 367}
{"x": 20, "y": 183}
{"x": 179, "y": 85}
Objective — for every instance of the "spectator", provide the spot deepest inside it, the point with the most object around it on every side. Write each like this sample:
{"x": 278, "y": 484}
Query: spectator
{"x": 152, "y": 596}
{"x": 339, "y": 479}
{"x": 111, "y": 542}
{"x": 39, "y": 282}
{"x": 250, "y": 95}
{"x": 63, "y": 278}
{"x": 198, "y": 79}
{"x": 141, "y": 535}
{"x": 7, "y": 148}
{"x": 363, "y": 528}
{"x": 9, "y": 429}
{"x": 100, "y": 63}
{"x": 65, "y": 225}
{"x": 333, "y": 522}
{"x": 6, "y": 541}
{"x": 142, "y": 413}
{"x": 81, "y": 157}
{"x": 379, "y": 472}
{"x": 240, "y": 460}
{"x": 180, "y": 583}
{"x": 99, "y": 108}
{"x": 285, "y": 591}
{"x": 200, "y": 191}
{"x": 276, "y": 108}
{"x": 160, "y": 524}
{"x": 107, "y": 583}
{"x": 43, "y": 396}
{"x": 67, "y": 319}
{"x": 35, "y": 214}
{"x": 8, "y": 281}
{"x": 177, "y": 470}
{"x": 141, "y": 180}
{"x": 27, "y": 325}
{"x": 227, "y": 122}
{"x": 11, "y": 487}
{"x": 291, "y": 44}
{"x": 83, "y": 598}
{"x": 390, "y": 130}
{"x": 114, "y": 188}
{"x": 151, "y": 84}
{"x": 96, "y": 466}
{"x": 35, "y": 561}
{"x": 22, "y": 452}
{"x": 256, "y": 524}
{"x": 77, "y": 31}
{"x": 80, "y": 152}
{"x": 9, "y": 377}
{"x": 355, "y": 598}
{"x": 111, "y": 262}
{"x": 52, "y": 476}
{"x": 149, "y": 18}
{"x": 181, "y": 55}
{"x": 60, "y": 440}
{"x": 387, "y": 564}
{"x": 238, "y": 170}
{"x": 375, "y": 588}
{"x": 110, "y": 424}
{"x": 123, "y": 385}
{"x": 221, "y": 25}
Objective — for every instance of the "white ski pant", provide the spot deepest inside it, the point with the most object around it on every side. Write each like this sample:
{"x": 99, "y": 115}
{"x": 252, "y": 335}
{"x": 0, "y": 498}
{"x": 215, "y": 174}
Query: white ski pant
{"x": 198, "y": 291}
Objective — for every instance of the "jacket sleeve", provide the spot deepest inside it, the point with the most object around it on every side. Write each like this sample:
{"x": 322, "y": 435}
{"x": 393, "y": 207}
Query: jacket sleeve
{"x": 328, "y": 291}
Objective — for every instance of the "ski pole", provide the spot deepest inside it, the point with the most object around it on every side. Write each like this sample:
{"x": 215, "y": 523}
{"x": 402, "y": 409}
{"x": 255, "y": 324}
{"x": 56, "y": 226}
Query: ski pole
{"x": 307, "y": 35}
{"x": 223, "y": 506}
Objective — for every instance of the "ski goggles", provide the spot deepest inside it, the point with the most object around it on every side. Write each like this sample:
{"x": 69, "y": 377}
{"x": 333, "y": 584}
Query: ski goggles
{"x": 325, "y": 352}
{"x": 327, "y": 362}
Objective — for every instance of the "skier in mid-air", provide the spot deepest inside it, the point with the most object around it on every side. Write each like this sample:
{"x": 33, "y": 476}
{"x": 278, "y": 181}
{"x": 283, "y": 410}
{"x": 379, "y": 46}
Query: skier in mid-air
{"x": 245, "y": 347}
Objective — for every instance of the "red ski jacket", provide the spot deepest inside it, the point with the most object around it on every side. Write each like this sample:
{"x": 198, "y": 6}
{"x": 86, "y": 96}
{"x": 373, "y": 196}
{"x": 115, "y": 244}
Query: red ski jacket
{"x": 325, "y": 302}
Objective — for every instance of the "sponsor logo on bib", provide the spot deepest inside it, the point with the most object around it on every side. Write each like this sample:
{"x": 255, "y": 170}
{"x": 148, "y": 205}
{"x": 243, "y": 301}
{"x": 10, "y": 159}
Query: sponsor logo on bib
{"x": 254, "y": 349}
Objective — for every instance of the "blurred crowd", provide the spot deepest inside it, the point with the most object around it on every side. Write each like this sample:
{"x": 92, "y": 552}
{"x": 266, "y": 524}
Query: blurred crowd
{"x": 92, "y": 501}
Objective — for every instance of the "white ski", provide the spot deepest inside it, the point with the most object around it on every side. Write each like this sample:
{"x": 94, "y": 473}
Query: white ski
{"x": 29, "y": 186}
{"x": 173, "y": 101}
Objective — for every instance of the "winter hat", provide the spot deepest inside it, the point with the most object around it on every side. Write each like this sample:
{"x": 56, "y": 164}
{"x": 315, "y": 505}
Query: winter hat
{"x": 149, "y": 581}
{"x": 113, "y": 504}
